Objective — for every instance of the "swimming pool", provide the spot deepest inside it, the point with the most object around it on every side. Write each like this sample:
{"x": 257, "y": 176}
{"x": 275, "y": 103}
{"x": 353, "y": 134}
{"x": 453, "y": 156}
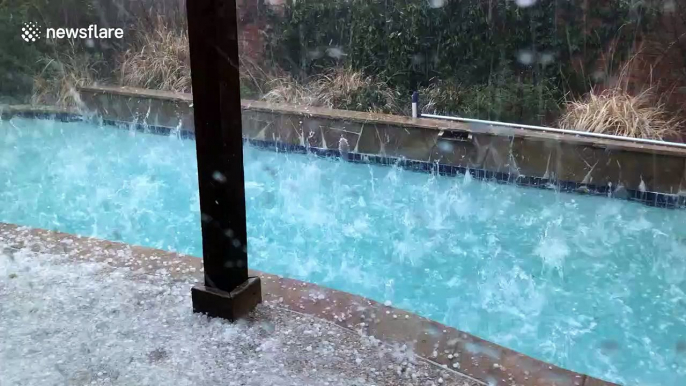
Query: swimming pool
{"x": 591, "y": 284}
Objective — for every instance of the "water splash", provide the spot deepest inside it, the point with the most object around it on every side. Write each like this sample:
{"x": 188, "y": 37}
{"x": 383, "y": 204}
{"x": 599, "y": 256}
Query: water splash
{"x": 452, "y": 249}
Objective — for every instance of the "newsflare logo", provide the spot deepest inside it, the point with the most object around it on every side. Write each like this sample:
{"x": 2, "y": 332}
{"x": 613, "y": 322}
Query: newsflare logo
{"x": 31, "y": 32}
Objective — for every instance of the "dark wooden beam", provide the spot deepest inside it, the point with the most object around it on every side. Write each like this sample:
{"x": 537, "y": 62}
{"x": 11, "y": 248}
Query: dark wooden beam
{"x": 228, "y": 292}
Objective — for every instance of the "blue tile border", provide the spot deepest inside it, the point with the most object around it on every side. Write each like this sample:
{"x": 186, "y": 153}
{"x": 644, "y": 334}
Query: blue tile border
{"x": 56, "y": 116}
{"x": 660, "y": 200}
{"x": 150, "y": 129}
{"x": 655, "y": 199}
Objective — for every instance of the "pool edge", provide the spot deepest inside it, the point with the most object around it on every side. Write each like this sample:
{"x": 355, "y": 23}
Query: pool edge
{"x": 648, "y": 198}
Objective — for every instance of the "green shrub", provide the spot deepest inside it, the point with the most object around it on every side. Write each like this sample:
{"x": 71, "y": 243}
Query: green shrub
{"x": 18, "y": 60}
{"x": 339, "y": 88}
{"x": 407, "y": 44}
{"x": 505, "y": 98}
{"x": 21, "y": 62}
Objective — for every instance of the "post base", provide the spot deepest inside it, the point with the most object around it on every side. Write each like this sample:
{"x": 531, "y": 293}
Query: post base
{"x": 227, "y": 305}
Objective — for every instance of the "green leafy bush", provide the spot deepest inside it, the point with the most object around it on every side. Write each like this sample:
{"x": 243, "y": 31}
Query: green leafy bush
{"x": 21, "y": 62}
{"x": 339, "y": 88}
{"x": 548, "y": 50}
{"x": 505, "y": 98}
{"x": 18, "y": 60}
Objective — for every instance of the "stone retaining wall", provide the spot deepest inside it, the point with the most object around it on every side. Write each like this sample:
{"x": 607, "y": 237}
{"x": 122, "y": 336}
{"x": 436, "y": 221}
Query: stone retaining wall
{"x": 653, "y": 174}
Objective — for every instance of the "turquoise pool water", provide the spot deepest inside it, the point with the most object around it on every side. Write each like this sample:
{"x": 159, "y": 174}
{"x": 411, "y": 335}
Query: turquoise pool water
{"x": 591, "y": 284}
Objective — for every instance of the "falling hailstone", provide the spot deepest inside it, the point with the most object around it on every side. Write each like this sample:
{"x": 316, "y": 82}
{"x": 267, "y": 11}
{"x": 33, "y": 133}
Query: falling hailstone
{"x": 314, "y": 54}
{"x": 445, "y": 146}
{"x": 335, "y": 52}
{"x": 546, "y": 58}
{"x": 219, "y": 177}
{"x": 436, "y": 3}
{"x": 598, "y": 75}
{"x": 525, "y": 3}
{"x": 525, "y": 57}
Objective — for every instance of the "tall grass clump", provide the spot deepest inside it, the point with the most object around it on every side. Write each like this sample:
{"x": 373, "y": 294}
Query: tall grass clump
{"x": 158, "y": 59}
{"x": 339, "y": 88}
{"x": 61, "y": 74}
{"x": 614, "y": 111}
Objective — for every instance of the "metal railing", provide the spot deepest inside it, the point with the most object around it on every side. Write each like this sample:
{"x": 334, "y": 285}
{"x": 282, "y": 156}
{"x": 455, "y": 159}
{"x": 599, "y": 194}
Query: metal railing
{"x": 559, "y": 131}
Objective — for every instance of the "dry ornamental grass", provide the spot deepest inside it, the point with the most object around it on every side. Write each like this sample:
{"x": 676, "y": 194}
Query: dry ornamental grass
{"x": 616, "y": 112}
{"x": 339, "y": 88}
{"x": 56, "y": 84}
{"x": 160, "y": 60}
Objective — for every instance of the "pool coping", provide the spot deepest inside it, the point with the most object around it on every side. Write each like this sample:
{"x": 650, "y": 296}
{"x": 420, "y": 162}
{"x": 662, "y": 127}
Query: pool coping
{"x": 40, "y": 112}
{"x": 649, "y": 198}
{"x": 445, "y": 346}
{"x": 368, "y": 117}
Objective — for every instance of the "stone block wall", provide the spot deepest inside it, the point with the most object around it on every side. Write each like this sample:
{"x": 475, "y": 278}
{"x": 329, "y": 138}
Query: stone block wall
{"x": 601, "y": 166}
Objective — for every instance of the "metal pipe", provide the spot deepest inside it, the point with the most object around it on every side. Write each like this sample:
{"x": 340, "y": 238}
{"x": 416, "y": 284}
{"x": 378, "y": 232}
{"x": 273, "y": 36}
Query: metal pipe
{"x": 415, "y": 104}
{"x": 561, "y": 131}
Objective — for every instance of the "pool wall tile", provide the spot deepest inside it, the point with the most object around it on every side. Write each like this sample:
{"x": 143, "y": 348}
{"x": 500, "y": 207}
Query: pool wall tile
{"x": 493, "y": 153}
{"x": 602, "y": 167}
{"x": 453, "y": 153}
{"x": 507, "y": 155}
{"x": 533, "y": 157}
{"x": 40, "y": 112}
{"x": 152, "y": 111}
{"x": 387, "y": 140}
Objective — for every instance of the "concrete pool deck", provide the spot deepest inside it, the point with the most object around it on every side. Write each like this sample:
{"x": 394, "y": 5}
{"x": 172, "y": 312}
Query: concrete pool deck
{"x": 80, "y": 322}
{"x": 413, "y": 345}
